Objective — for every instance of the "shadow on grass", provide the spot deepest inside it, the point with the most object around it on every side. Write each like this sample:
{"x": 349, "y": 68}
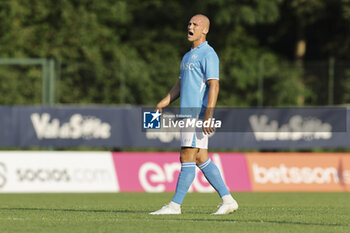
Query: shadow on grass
{"x": 77, "y": 210}
{"x": 206, "y": 219}
{"x": 217, "y": 219}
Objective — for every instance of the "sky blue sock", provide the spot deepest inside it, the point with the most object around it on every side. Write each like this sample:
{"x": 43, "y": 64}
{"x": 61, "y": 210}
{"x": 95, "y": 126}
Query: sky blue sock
{"x": 186, "y": 177}
{"x": 212, "y": 173}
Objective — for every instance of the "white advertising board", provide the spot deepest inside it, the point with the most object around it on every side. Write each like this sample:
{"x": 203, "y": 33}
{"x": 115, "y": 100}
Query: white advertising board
{"x": 48, "y": 171}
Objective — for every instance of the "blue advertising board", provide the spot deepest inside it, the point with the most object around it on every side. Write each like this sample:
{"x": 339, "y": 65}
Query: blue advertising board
{"x": 118, "y": 127}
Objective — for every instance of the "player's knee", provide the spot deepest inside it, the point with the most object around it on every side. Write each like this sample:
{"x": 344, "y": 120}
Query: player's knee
{"x": 200, "y": 160}
{"x": 201, "y": 156}
{"x": 188, "y": 154}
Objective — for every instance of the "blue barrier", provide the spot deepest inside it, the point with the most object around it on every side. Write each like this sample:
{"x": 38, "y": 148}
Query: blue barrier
{"x": 113, "y": 127}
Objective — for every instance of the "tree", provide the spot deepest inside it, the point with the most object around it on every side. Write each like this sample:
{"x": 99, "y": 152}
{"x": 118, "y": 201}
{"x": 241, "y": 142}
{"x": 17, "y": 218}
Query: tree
{"x": 129, "y": 52}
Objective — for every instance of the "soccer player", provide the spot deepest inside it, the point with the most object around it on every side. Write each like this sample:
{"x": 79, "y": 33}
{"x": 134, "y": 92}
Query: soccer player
{"x": 198, "y": 87}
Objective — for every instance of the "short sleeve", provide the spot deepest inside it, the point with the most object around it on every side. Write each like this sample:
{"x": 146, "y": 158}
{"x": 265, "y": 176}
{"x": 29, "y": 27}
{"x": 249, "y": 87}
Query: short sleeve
{"x": 210, "y": 64}
{"x": 181, "y": 72}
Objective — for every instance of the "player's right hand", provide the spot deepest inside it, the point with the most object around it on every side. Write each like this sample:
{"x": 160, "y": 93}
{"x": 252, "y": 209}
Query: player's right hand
{"x": 158, "y": 108}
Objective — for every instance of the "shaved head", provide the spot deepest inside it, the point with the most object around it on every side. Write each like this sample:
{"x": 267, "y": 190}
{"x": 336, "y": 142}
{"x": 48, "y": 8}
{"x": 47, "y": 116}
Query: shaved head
{"x": 204, "y": 20}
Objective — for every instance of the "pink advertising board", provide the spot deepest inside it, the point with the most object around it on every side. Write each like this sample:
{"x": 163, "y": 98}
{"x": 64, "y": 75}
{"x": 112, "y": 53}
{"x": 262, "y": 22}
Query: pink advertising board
{"x": 158, "y": 172}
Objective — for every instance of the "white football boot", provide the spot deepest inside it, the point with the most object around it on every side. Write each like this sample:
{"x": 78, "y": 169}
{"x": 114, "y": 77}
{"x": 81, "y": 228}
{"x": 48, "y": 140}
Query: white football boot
{"x": 226, "y": 208}
{"x": 171, "y": 208}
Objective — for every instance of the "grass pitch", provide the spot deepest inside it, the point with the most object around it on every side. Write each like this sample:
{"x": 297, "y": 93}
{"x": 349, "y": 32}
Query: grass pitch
{"x": 128, "y": 212}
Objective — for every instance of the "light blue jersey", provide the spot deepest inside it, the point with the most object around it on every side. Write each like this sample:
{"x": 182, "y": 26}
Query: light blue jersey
{"x": 197, "y": 67}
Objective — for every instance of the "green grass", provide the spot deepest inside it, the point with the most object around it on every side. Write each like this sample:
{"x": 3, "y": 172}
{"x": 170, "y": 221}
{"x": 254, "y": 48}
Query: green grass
{"x": 128, "y": 212}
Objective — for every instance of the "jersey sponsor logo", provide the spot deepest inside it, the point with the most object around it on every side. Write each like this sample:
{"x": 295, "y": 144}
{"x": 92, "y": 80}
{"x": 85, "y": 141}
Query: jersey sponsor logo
{"x": 78, "y": 126}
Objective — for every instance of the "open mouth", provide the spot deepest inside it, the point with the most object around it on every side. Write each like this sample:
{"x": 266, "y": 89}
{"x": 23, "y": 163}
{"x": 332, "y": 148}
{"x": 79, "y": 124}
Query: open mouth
{"x": 190, "y": 33}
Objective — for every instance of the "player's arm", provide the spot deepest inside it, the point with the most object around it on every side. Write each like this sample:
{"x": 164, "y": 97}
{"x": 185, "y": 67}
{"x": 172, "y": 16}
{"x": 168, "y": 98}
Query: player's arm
{"x": 173, "y": 94}
{"x": 212, "y": 98}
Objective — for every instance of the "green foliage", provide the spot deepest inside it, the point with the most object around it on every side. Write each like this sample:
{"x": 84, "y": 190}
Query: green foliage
{"x": 129, "y": 52}
{"x": 14, "y": 88}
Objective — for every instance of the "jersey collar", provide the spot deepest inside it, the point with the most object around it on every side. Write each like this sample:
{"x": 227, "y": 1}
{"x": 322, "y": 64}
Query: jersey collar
{"x": 201, "y": 45}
